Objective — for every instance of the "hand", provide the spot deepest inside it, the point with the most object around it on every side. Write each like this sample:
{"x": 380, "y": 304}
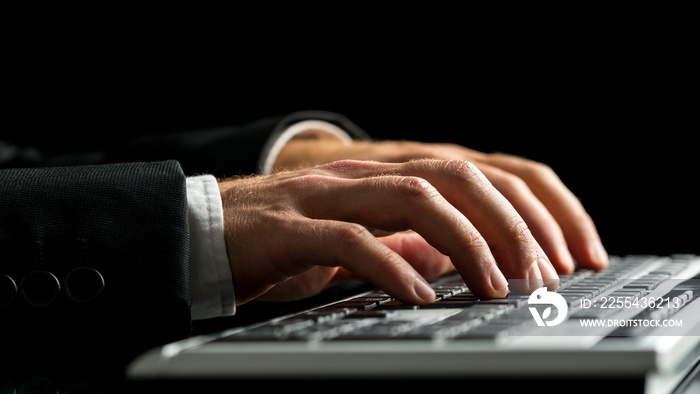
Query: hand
{"x": 554, "y": 215}
{"x": 291, "y": 234}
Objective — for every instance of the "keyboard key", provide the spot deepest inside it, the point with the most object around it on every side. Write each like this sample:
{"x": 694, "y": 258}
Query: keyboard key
{"x": 458, "y": 315}
{"x": 396, "y": 304}
{"x": 358, "y": 304}
{"x": 374, "y": 313}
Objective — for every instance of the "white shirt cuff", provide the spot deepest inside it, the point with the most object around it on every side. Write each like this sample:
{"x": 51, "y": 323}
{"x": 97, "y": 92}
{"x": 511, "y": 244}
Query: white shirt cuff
{"x": 294, "y": 130}
{"x": 211, "y": 283}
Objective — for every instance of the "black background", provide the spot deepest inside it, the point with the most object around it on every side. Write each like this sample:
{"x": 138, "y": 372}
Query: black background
{"x": 607, "y": 97}
{"x": 614, "y": 113}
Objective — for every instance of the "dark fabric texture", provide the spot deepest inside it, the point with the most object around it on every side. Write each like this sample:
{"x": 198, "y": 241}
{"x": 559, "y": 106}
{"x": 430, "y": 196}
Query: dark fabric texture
{"x": 126, "y": 221}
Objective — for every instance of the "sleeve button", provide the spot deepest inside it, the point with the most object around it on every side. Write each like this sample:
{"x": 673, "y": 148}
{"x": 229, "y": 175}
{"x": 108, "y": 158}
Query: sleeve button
{"x": 40, "y": 288}
{"x": 8, "y": 291}
{"x": 84, "y": 284}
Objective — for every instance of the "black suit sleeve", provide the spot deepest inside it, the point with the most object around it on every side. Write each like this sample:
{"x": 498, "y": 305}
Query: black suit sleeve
{"x": 222, "y": 151}
{"x": 93, "y": 255}
{"x": 226, "y": 151}
{"x": 99, "y": 250}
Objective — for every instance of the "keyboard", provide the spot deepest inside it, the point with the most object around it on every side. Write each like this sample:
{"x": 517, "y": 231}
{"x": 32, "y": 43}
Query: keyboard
{"x": 623, "y": 290}
{"x": 370, "y": 335}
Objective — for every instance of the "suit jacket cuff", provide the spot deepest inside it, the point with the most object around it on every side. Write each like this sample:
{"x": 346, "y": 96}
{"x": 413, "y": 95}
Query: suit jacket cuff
{"x": 211, "y": 283}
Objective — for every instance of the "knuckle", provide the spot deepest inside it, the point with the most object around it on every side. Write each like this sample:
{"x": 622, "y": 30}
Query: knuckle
{"x": 461, "y": 168}
{"x": 474, "y": 238}
{"x": 415, "y": 187}
{"x": 351, "y": 234}
{"x": 519, "y": 229}
{"x": 525, "y": 244}
{"x": 465, "y": 171}
{"x": 539, "y": 170}
{"x": 512, "y": 184}
{"x": 535, "y": 170}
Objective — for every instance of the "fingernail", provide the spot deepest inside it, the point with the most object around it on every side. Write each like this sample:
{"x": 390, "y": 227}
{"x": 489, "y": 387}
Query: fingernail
{"x": 599, "y": 255}
{"x": 550, "y": 278}
{"x": 498, "y": 281}
{"x": 566, "y": 262}
{"x": 425, "y": 293}
{"x": 534, "y": 277}
{"x": 546, "y": 269}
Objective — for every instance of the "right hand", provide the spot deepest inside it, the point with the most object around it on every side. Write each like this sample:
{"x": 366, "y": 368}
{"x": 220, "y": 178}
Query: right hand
{"x": 290, "y": 235}
{"x": 553, "y": 213}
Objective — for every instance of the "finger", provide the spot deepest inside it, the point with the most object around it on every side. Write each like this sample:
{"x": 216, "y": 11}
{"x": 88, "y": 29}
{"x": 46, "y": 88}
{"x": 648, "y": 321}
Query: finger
{"x": 542, "y": 224}
{"x": 333, "y": 243}
{"x": 578, "y": 227}
{"x": 518, "y": 254}
{"x": 422, "y": 256}
{"x": 303, "y": 285}
{"x": 398, "y": 203}
{"x": 468, "y": 190}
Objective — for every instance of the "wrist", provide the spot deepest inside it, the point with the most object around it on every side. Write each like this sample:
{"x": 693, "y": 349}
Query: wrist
{"x": 307, "y": 152}
{"x": 304, "y": 130}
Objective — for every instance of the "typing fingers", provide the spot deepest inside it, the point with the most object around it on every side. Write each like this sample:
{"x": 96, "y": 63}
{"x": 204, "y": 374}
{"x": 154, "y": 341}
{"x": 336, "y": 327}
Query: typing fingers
{"x": 351, "y": 246}
{"x": 552, "y": 212}
{"x": 577, "y": 226}
{"x": 278, "y": 228}
{"x": 543, "y": 225}
{"x": 395, "y": 203}
{"x": 427, "y": 260}
{"x": 454, "y": 207}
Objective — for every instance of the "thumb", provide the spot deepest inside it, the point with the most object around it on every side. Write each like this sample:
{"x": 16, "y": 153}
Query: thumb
{"x": 424, "y": 258}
